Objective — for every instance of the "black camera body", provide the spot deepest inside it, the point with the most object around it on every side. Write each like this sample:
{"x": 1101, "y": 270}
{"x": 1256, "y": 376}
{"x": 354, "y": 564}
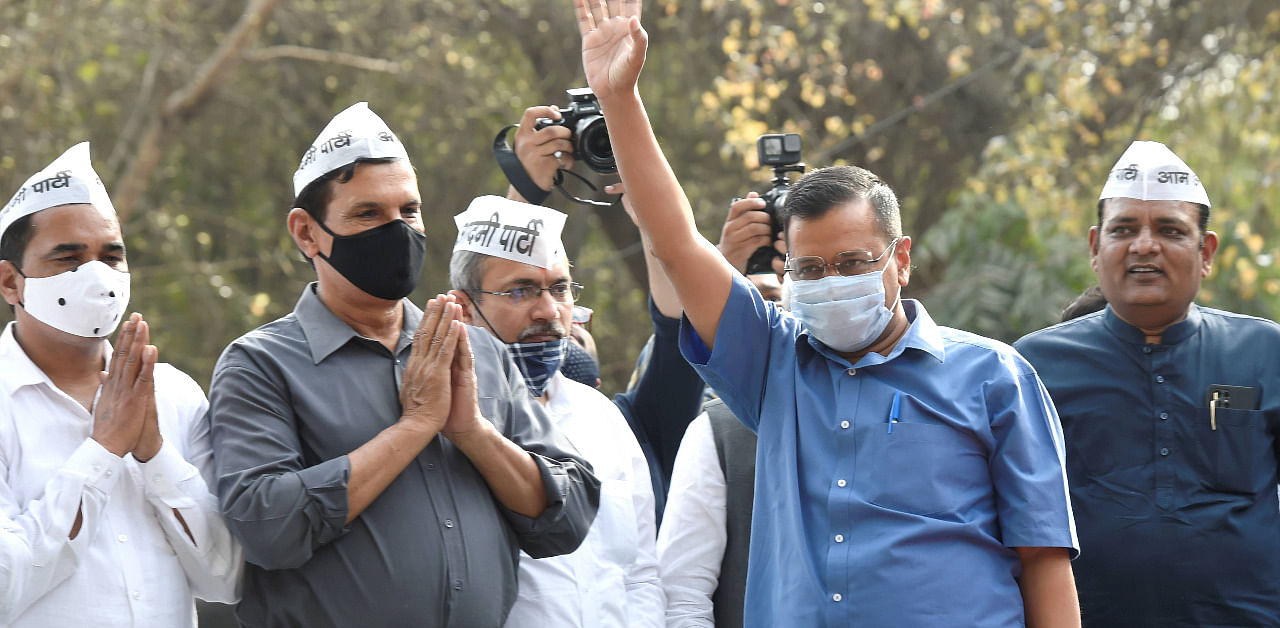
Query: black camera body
{"x": 780, "y": 151}
{"x": 590, "y": 137}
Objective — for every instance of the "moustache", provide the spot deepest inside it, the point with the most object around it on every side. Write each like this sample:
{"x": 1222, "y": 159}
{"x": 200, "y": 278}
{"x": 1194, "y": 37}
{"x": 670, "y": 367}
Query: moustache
{"x": 546, "y": 328}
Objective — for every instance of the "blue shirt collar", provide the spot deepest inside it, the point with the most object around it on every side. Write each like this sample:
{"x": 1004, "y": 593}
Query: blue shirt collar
{"x": 326, "y": 333}
{"x": 1175, "y": 334}
{"x": 922, "y": 334}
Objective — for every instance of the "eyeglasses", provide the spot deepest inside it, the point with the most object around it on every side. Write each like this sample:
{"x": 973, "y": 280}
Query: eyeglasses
{"x": 848, "y": 263}
{"x": 562, "y": 292}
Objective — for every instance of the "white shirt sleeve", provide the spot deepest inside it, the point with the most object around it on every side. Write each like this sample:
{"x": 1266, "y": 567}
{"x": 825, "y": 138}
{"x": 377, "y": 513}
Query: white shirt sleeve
{"x": 36, "y": 553}
{"x": 646, "y": 602}
{"x": 176, "y": 484}
{"x": 692, "y": 540}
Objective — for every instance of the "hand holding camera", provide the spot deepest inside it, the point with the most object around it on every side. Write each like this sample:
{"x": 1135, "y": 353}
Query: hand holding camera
{"x": 781, "y": 151}
{"x": 588, "y": 138}
{"x": 543, "y": 148}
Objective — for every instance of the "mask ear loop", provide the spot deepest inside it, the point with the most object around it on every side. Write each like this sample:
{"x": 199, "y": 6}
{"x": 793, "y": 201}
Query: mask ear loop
{"x": 484, "y": 318}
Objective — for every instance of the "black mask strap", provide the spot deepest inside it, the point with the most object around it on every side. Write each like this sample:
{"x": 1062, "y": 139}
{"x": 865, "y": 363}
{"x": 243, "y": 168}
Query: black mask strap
{"x": 484, "y": 318}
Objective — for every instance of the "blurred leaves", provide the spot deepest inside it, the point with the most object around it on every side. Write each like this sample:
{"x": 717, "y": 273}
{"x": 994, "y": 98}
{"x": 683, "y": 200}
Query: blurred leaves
{"x": 995, "y": 122}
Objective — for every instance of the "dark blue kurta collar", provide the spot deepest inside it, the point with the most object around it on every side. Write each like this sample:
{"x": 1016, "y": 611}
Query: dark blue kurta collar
{"x": 1175, "y": 334}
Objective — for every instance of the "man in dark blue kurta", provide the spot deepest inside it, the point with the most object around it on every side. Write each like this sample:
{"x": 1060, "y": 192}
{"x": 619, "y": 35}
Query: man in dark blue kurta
{"x": 1174, "y": 492}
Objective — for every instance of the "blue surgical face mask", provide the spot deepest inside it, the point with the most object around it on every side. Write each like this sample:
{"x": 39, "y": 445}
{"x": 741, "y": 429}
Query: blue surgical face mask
{"x": 538, "y": 362}
{"x": 844, "y": 313}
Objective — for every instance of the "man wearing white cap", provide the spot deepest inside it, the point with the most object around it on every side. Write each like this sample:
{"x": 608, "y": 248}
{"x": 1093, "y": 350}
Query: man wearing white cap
{"x": 1170, "y": 416}
{"x": 381, "y": 465}
{"x": 510, "y": 273}
{"x": 105, "y": 510}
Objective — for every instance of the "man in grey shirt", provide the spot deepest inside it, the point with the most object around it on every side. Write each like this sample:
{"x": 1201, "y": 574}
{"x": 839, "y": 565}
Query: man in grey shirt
{"x": 380, "y": 465}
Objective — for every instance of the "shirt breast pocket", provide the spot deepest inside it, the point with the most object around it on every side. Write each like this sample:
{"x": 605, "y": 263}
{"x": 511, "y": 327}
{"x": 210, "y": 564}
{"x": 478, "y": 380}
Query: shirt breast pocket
{"x": 616, "y": 522}
{"x": 1239, "y": 456}
{"x": 921, "y": 468}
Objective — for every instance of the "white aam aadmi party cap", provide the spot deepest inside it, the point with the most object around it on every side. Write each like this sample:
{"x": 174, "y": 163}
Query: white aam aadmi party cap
{"x": 355, "y": 133}
{"x": 520, "y": 232}
{"x": 1149, "y": 171}
{"x": 68, "y": 180}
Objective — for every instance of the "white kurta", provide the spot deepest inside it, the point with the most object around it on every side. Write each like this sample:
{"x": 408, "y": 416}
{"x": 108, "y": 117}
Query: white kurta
{"x": 131, "y": 564}
{"x": 693, "y": 537}
{"x": 612, "y": 579}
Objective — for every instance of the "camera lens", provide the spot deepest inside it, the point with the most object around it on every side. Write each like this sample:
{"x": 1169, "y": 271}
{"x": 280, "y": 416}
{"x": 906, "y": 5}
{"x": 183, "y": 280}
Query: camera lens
{"x": 593, "y": 144}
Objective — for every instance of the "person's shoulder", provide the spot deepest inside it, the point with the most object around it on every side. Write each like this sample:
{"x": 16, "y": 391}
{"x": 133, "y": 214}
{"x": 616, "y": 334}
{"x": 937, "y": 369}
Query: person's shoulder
{"x": 271, "y": 340}
{"x": 1239, "y": 322}
{"x": 170, "y": 380}
{"x": 967, "y": 349}
{"x": 1066, "y": 331}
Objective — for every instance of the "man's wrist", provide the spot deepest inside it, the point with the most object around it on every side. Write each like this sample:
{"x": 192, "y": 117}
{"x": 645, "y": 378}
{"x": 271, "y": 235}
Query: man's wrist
{"x": 145, "y": 452}
{"x": 478, "y": 441}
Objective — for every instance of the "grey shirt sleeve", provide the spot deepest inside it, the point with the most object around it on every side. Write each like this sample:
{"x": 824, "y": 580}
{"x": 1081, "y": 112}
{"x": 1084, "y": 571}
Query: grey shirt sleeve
{"x": 573, "y": 492}
{"x": 280, "y": 508}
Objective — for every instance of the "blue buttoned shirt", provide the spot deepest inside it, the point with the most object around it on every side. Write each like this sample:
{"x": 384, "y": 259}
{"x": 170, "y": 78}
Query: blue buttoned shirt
{"x": 860, "y": 520}
{"x": 1179, "y": 519}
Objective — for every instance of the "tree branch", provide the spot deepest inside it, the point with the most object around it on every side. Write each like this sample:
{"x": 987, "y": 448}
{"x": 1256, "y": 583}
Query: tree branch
{"x": 329, "y": 57}
{"x": 182, "y": 103}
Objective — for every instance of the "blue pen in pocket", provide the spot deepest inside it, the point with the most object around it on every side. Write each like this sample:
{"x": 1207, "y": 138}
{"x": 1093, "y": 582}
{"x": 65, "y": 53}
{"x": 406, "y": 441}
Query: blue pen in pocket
{"x": 893, "y": 410}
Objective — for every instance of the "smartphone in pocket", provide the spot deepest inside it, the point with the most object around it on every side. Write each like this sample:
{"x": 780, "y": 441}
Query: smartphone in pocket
{"x": 1233, "y": 397}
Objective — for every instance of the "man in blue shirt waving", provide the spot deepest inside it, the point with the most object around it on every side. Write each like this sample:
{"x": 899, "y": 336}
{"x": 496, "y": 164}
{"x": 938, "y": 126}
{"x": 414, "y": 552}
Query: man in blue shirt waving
{"x": 1170, "y": 416}
{"x": 907, "y": 474}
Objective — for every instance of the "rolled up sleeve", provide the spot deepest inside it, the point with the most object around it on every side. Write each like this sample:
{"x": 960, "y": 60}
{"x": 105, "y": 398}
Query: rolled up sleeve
{"x": 573, "y": 491}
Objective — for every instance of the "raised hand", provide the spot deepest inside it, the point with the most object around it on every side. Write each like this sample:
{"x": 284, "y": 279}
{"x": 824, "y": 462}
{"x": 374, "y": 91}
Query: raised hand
{"x": 745, "y": 230}
{"x": 613, "y": 45}
{"x": 128, "y": 389}
{"x": 426, "y": 386}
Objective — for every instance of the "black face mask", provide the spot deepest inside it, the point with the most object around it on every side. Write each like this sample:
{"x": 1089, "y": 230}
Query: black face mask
{"x": 384, "y": 261}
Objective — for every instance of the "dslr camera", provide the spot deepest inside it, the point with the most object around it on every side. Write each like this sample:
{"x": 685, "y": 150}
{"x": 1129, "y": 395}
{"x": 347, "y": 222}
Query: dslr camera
{"x": 780, "y": 151}
{"x": 590, "y": 137}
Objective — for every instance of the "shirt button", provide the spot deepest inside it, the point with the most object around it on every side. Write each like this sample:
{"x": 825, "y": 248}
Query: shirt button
{"x": 1164, "y": 416}
{"x": 851, "y": 371}
{"x": 457, "y": 585}
{"x": 1164, "y": 451}
{"x": 1159, "y": 379}
{"x": 1146, "y": 348}
{"x": 844, "y": 425}
{"x": 137, "y": 595}
{"x": 841, "y": 483}
{"x": 122, "y": 538}
{"x": 837, "y": 597}
{"x": 448, "y": 523}
{"x": 839, "y": 538}
{"x": 431, "y": 466}
{"x": 108, "y": 473}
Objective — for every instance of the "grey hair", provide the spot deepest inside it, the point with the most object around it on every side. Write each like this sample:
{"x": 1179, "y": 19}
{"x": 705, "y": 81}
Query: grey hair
{"x": 466, "y": 271}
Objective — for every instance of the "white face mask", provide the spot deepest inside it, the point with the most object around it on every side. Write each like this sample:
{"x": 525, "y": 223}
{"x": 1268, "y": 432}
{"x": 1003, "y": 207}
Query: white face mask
{"x": 85, "y": 301}
{"x": 844, "y": 313}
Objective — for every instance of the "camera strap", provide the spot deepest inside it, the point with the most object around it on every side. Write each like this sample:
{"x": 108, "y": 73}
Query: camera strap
{"x": 515, "y": 171}
{"x": 519, "y": 178}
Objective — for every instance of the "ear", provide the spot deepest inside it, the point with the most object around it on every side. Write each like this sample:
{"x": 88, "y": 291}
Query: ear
{"x": 1207, "y": 251}
{"x": 10, "y": 283}
{"x": 1093, "y": 248}
{"x": 302, "y": 228}
{"x": 902, "y": 253}
{"x": 468, "y": 315}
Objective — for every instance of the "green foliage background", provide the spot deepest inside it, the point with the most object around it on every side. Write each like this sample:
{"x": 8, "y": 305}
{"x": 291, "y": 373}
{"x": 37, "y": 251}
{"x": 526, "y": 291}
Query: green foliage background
{"x": 996, "y": 122}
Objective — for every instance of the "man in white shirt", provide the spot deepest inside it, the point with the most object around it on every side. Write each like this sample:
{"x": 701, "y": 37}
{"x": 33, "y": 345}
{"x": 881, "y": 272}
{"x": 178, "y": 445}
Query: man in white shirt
{"x": 510, "y": 274}
{"x": 105, "y": 510}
